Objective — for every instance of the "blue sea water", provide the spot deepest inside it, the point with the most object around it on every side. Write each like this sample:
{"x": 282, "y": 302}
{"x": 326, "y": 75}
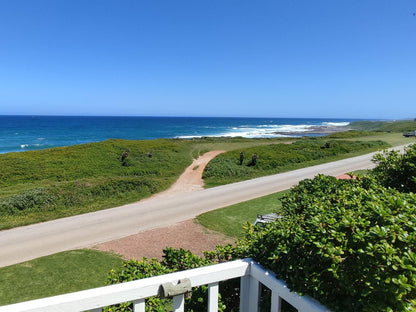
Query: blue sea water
{"x": 23, "y": 133}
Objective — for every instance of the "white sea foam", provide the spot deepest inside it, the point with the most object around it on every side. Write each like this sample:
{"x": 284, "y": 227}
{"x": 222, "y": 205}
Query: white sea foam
{"x": 190, "y": 136}
{"x": 268, "y": 131}
{"x": 24, "y": 145}
{"x": 335, "y": 124}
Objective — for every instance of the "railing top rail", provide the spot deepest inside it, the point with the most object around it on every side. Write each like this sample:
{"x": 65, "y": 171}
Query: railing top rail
{"x": 134, "y": 290}
{"x": 268, "y": 279}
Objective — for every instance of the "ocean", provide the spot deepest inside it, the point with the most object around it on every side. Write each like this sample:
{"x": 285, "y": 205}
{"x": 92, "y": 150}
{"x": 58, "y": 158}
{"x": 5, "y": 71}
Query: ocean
{"x": 24, "y": 133}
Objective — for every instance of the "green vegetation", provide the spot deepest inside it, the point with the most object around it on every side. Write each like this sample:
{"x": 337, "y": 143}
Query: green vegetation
{"x": 173, "y": 260}
{"x": 392, "y": 138}
{"x": 47, "y": 184}
{"x": 385, "y": 126}
{"x": 351, "y": 134}
{"x": 230, "y": 220}
{"x": 277, "y": 158}
{"x": 348, "y": 243}
{"x": 56, "y": 274}
{"x": 397, "y": 170}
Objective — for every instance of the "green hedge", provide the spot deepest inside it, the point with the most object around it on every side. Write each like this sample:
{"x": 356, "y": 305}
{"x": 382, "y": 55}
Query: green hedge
{"x": 349, "y": 244}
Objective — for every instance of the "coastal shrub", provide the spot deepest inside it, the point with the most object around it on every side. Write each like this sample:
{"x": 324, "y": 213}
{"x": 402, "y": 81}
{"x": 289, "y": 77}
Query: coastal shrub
{"x": 351, "y": 134}
{"x": 75, "y": 194}
{"x": 94, "y": 160}
{"x": 173, "y": 260}
{"x": 349, "y": 244}
{"x": 397, "y": 170}
{"x": 275, "y": 158}
{"x": 34, "y": 199}
{"x": 47, "y": 184}
{"x": 133, "y": 270}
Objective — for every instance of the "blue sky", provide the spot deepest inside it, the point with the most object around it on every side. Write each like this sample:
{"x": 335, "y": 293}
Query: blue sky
{"x": 278, "y": 58}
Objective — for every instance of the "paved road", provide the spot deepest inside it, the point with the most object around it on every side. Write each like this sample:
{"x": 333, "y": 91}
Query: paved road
{"x": 33, "y": 241}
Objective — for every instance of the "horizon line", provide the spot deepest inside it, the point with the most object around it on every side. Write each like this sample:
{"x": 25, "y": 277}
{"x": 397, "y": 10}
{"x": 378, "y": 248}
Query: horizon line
{"x": 176, "y": 116}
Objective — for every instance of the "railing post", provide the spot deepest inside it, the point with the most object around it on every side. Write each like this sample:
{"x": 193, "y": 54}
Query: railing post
{"x": 179, "y": 303}
{"x": 139, "y": 305}
{"x": 276, "y": 305}
{"x": 249, "y": 294}
{"x": 213, "y": 297}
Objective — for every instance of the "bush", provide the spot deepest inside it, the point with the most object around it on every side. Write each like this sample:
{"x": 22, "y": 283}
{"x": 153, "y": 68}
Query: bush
{"x": 348, "y": 244}
{"x": 275, "y": 158}
{"x": 173, "y": 260}
{"x": 75, "y": 194}
{"x": 397, "y": 170}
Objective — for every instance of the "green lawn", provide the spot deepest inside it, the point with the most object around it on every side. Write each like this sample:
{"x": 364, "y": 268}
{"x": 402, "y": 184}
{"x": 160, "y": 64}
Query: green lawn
{"x": 56, "y": 274}
{"x": 230, "y": 220}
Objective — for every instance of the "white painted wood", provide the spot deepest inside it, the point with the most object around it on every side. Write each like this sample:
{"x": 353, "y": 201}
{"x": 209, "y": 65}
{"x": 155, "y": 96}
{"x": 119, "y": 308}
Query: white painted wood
{"x": 276, "y": 305}
{"x": 244, "y": 293}
{"x": 251, "y": 275}
{"x": 130, "y": 291}
{"x": 179, "y": 303}
{"x": 213, "y": 291}
{"x": 254, "y": 295}
{"x": 139, "y": 305}
{"x": 302, "y": 303}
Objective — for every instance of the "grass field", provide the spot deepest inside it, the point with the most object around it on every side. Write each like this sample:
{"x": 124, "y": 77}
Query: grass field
{"x": 56, "y": 274}
{"x": 230, "y": 220}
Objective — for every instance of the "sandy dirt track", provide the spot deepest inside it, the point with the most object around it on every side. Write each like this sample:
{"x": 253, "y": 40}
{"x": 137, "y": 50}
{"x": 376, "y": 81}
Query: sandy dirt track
{"x": 187, "y": 234}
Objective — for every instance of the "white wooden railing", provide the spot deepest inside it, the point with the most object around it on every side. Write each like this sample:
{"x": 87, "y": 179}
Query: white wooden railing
{"x": 252, "y": 275}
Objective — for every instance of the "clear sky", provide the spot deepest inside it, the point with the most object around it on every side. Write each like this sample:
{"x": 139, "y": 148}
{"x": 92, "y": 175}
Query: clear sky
{"x": 277, "y": 58}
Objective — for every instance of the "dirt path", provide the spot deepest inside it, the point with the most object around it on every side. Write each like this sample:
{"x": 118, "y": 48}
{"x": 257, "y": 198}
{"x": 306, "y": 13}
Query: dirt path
{"x": 187, "y": 234}
{"x": 191, "y": 179}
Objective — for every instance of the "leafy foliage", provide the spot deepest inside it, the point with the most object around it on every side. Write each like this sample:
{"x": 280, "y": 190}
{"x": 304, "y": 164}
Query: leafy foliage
{"x": 397, "y": 170}
{"x": 349, "y": 244}
{"x": 173, "y": 260}
{"x": 275, "y": 158}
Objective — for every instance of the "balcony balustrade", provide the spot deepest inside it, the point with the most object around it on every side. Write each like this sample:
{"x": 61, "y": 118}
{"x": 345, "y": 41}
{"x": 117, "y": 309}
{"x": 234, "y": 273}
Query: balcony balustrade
{"x": 252, "y": 278}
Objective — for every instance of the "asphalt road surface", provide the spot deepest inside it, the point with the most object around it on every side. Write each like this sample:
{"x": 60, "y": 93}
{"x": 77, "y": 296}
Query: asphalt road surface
{"x": 33, "y": 241}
